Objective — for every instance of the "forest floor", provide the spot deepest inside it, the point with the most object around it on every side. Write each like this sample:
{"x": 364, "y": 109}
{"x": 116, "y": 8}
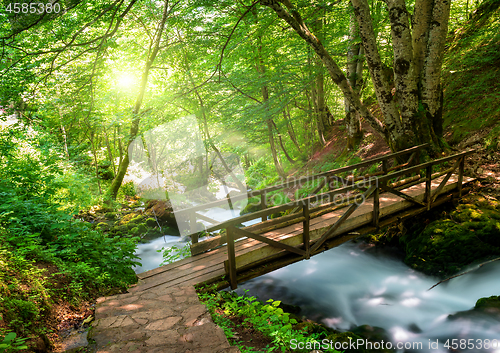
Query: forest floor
{"x": 372, "y": 145}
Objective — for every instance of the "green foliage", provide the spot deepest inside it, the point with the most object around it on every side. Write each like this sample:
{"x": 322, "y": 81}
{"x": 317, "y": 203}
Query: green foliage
{"x": 307, "y": 189}
{"x": 175, "y": 253}
{"x": 127, "y": 189}
{"x": 492, "y": 141}
{"x": 261, "y": 174}
{"x": 471, "y": 74}
{"x": 36, "y": 224}
{"x": 12, "y": 343}
{"x": 253, "y": 205}
{"x": 24, "y": 298}
{"x": 268, "y": 318}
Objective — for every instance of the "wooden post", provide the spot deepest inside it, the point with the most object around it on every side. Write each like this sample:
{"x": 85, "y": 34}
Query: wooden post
{"x": 376, "y": 206}
{"x": 231, "y": 256}
{"x": 192, "y": 225}
{"x": 305, "y": 229}
{"x": 461, "y": 175}
{"x": 229, "y": 202}
{"x": 263, "y": 204}
{"x": 385, "y": 170}
{"x": 427, "y": 197}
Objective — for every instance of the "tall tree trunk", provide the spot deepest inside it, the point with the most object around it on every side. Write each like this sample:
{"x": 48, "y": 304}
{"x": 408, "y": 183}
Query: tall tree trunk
{"x": 120, "y": 146}
{"x": 93, "y": 143}
{"x": 154, "y": 47}
{"x": 337, "y": 76}
{"x": 289, "y": 127}
{"x": 355, "y": 79}
{"x": 320, "y": 127}
{"x": 274, "y": 153}
{"x": 110, "y": 153}
{"x": 309, "y": 125}
{"x": 432, "y": 90}
{"x": 290, "y": 159}
{"x": 261, "y": 69}
{"x": 412, "y": 114}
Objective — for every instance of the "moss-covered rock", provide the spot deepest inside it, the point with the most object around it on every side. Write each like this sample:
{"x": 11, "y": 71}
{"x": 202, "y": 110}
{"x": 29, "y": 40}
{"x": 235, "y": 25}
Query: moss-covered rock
{"x": 110, "y": 215}
{"x": 374, "y": 335}
{"x": 470, "y": 233}
{"x": 162, "y": 211}
{"x": 151, "y": 222}
{"x": 491, "y": 305}
{"x": 102, "y": 226}
{"x": 142, "y": 229}
{"x": 310, "y": 327}
{"x": 485, "y": 308}
{"x": 131, "y": 218}
{"x": 120, "y": 229}
{"x": 138, "y": 229}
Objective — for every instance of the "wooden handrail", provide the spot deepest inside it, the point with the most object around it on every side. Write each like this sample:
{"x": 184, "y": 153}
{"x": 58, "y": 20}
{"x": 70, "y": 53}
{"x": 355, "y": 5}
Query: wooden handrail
{"x": 329, "y": 194}
{"x": 375, "y": 186}
{"x": 302, "y": 180}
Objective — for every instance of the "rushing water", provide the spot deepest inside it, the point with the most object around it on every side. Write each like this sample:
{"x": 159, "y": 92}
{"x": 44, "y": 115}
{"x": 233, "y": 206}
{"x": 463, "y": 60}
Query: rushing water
{"x": 150, "y": 258}
{"x": 354, "y": 285}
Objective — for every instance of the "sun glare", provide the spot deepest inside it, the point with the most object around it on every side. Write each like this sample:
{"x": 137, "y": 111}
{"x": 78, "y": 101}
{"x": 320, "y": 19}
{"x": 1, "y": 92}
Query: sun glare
{"x": 125, "y": 81}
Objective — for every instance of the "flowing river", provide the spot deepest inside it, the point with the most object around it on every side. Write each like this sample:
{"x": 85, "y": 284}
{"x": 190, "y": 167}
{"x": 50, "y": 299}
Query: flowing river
{"x": 150, "y": 258}
{"x": 355, "y": 284}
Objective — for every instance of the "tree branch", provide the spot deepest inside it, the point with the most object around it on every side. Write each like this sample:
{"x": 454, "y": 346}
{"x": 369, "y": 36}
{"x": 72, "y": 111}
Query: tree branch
{"x": 463, "y": 273}
{"x": 336, "y": 74}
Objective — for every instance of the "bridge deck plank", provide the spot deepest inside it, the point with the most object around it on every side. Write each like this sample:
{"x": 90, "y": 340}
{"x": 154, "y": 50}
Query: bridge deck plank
{"x": 210, "y": 265}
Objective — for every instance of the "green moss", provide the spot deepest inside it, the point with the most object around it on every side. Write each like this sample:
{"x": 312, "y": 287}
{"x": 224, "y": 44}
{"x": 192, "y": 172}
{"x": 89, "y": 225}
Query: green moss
{"x": 131, "y": 218}
{"x": 120, "y": 229}
{"x": 491, "y": 302}
{"x": 484, "y": 307}
{"x": 142, "y": 229}
{"x": 111, "y": 215}
{"x": 470, "y": 233}
{"x": 151, "y": 222}
{"x": 102, "y": 226}
{"x": 308, "y": 327}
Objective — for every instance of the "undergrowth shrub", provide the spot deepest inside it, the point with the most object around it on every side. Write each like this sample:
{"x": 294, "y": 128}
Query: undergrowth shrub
{"x": 39, "y": 194}
{"x": 267, "y": 318}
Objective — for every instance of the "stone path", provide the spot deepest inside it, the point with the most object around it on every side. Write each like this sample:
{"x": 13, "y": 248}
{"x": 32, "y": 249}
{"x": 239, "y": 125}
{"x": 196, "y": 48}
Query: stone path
{"x": 154, "y": 321}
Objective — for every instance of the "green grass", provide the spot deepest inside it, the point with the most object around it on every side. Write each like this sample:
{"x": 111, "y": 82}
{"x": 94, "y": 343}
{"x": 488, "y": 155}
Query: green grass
{"x": 471, "y": 74}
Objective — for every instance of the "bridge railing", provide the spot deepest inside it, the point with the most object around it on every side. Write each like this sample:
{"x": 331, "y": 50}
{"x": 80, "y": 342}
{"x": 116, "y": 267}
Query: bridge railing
{"x": 329, "y": 178}
{"x": 373, "y": 186}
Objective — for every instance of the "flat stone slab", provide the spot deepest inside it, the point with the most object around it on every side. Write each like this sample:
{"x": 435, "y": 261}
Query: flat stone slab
{"x": 154, "y": 321}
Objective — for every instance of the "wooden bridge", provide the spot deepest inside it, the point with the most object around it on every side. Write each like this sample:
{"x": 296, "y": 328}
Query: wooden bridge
{"x": 343, "y": 206}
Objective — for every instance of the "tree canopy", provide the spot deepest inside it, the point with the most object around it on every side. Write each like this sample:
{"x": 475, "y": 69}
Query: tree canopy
{"x": 259, "y": 76}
